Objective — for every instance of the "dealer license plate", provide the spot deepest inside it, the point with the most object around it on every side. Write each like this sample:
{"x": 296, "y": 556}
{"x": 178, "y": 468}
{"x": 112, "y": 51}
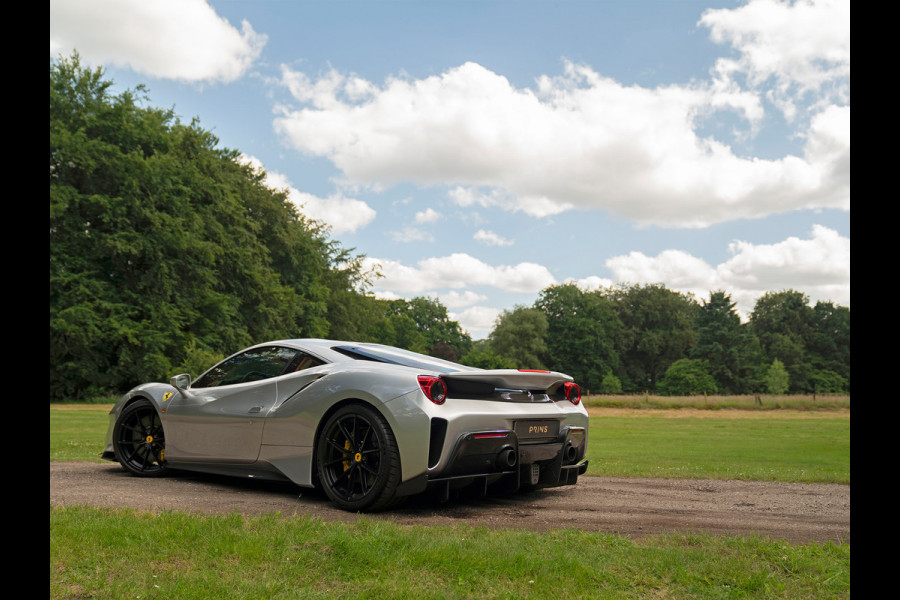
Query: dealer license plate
{"x": 536, "y": 429}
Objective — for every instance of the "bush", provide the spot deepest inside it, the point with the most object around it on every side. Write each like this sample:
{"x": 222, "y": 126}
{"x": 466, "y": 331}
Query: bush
{"x": 687, "y": 377}
{"x": 829, "y": 382}
{"x": 611, "y": 385}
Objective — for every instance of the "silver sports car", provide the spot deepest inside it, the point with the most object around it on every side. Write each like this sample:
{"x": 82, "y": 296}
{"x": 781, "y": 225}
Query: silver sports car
{"x": 368, "y": 423}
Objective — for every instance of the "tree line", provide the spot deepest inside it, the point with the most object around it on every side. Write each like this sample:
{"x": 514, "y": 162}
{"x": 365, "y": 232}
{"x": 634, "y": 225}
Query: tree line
{"x": 168, "y": 253}
{"x": 647, "y": 338}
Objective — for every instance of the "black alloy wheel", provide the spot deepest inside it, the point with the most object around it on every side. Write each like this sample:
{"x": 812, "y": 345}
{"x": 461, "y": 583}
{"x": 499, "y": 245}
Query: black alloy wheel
{"x": 358, "y": 463}
{"x": 139, "y": 441}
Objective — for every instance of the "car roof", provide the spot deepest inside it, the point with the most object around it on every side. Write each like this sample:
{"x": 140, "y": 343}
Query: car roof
{"x": 337, "y": 351}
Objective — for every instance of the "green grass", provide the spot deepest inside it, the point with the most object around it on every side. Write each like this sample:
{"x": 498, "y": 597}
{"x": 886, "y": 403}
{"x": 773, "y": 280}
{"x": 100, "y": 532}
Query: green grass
{"x": 767, "y": 402}
{"x": 123, "y": 554}
{"x": 104, "y": 553}
{"x": 763, "y": 449}
{"x": 77, "y": 431}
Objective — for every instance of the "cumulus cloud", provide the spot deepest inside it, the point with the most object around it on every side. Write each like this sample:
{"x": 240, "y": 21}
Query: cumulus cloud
{"x": 456, "y": 271}
{"x": 174, "y": 39}
{"x": 341, "y": 214}
{"x": 577, "y": 140}
{"x": 818, "y": 266}
{"x": 801, "y": 47}
{"x": 536, "y": 206}
{"x": 454, "y": 299}
{"x": 420, "y": 230}
{"x": 491, "y": 239}
{"x": 591, "y": 283}
{"x": 427, "y": 216}
{"x": 478, "y": 321}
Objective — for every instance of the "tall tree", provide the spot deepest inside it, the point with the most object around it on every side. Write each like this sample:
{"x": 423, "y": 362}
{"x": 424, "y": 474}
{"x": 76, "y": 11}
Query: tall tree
{"x": 658, "y": 329}
{"x": 520, "y": 335}
{"x": 163, "y": 245}
{"x": 784, "y": 323}
{"x": 830, "y": 347}
{"x": 582, "y": 328}
{"x": 421, "y": 324}
{"x": 726, "y": 344}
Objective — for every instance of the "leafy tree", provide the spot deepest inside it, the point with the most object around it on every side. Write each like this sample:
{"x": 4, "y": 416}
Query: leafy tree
{"x": 829, "y": 346}
{"x": 829, "y": 382}
{"x": 164, "y": 245}
{"x": 777, "y": 378}
{"x": 784, "y": 324}
{"x": 444, "y": 337}
{"x": 582, "y": 328}
{"x": 725, "y": 344}
{"x": 421, "y": 325}
{"x": 658, "y": 329}
{"x": 519, "y": 335}
{"x": 687, "y": 377}
{"x": 482, "y": 356}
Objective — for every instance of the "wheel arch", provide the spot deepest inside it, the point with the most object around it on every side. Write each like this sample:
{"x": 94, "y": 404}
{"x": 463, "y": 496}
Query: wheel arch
{"x": 141, "y": 456}
{"x": 156, "y": 393}
{"x": 324, "y": 419}
{"x": 409, "y": 424}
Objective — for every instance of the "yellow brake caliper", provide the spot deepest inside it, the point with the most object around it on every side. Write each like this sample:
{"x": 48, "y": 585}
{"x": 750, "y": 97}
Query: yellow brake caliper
{"x": 346, "y": 447}
{"x": 162, "y": 453}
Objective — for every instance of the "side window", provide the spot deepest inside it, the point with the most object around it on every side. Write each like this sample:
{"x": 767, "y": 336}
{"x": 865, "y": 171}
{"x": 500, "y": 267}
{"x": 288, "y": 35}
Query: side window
{"x": 303, "y": 361}
{"x": 252, "y": 365}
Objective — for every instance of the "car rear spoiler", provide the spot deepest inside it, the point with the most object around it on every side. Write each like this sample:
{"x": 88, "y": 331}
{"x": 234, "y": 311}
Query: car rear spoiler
{"x": 517, "y": 379}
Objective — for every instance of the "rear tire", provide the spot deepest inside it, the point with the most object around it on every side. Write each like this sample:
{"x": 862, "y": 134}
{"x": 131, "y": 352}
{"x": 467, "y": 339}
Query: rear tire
{"x": 357, "y": 459}
{"x": 139, "y": 441}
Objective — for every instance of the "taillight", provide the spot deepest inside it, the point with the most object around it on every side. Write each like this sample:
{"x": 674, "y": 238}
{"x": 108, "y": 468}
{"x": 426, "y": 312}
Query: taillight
{"x": 573, "y": 392}
{"x": 434, "y": 388}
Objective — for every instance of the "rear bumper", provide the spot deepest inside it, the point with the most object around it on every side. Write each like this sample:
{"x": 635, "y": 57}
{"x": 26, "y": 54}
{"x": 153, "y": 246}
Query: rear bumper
{"x": 500, "y": 459}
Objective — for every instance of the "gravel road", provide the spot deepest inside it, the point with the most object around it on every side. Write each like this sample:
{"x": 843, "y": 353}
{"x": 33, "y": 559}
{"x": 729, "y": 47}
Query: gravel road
{"x": 794, "y": 512}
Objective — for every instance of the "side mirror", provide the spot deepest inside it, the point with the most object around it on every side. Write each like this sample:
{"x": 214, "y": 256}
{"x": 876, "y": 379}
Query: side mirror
{"x": 182, "y": 382}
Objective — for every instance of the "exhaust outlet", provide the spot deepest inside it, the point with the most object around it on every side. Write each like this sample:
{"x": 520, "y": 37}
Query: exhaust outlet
{"x": 570, "y": 453}
{"x": 507, "y": 458}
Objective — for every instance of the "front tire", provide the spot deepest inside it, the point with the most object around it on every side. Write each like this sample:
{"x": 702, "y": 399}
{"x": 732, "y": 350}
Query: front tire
{"x": 357, "y": 460}
{"x": 139, "y": 441}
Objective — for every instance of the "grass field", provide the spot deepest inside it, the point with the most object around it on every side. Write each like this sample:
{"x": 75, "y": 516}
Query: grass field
{"x": 96, "y": 553}
{"x": 752, "y": 402}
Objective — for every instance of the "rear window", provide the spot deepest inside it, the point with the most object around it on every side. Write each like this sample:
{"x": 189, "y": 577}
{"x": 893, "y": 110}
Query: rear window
{"x": 396, "y": 356}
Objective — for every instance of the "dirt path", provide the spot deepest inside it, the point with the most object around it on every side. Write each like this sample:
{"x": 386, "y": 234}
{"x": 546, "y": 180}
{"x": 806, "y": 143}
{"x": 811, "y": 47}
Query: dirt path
{"x": 797, "y": 513}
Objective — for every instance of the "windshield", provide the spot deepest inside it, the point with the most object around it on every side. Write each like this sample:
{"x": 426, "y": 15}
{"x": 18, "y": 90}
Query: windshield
{"x": 396, "y": 356}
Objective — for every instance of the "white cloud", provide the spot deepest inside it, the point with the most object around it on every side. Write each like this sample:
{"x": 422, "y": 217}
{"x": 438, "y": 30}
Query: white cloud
{"x": 801, "y": 46}
{"x": 174, "y": 39}
{"x": 411, "y": 234}
{"x": 531, "y": 205}
{"x": 341, "y": 214}
{"x": 428, "y": 216}
{"x": 491, "y": 239}
{"x": 418, "y": 232}
{"x": 478, "y": 321}
{"x": 591, "y": 283}
{"x": 818, "y": 266}
{"x": 458, "y": 271}
{"x": 823, "y": 260}
{"x": 454, "y": 299}
{"x": 578, "y": 140}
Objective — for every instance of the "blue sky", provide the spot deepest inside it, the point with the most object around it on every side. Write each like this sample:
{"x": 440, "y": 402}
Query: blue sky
{"x": 478, "y": 152}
